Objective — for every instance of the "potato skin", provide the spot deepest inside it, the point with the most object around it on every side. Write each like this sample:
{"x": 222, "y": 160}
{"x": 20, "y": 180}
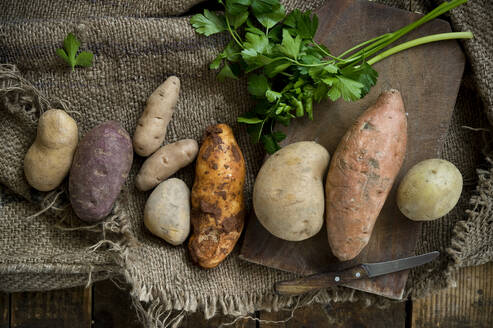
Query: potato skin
{"x": 292, "y": 208}
{"x": 167, "y": 211}
{"x": 151, "y": 127}
{"x": 101, "y": 165}
{"x": 429, "y": 190}
{"x": 217, "y": 197}
{"x": 165, "y": 162}
{"x": 361, "y": 174}
{"x": 48, "y": 160}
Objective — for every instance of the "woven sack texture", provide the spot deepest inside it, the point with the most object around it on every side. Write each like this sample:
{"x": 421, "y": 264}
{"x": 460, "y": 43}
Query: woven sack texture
{"x": 136, "y": 47}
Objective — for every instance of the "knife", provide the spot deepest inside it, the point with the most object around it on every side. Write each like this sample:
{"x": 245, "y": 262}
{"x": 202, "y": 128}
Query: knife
{"x": 362, "y": 271}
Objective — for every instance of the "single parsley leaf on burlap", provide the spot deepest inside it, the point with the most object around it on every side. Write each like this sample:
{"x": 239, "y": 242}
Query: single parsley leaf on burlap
{"x": 208, "y": 23}
{"x": 69, "y": 53}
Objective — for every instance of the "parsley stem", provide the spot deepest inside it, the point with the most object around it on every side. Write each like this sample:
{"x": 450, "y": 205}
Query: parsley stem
{"x": 363, "y": 44}
{"x": 328, "y": 54}
{"x": 233, "y": 33}
{"x": 419, "y": 41}
{"x": 389, "y": 38}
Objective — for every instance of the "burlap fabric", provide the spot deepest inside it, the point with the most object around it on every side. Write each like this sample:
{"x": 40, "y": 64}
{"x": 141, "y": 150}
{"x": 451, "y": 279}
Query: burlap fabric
{"x": 136, "y": 47}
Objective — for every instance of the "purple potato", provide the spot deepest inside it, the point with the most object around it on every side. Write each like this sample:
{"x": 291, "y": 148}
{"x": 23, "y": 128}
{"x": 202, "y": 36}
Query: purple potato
{"x": 101, "y": 165}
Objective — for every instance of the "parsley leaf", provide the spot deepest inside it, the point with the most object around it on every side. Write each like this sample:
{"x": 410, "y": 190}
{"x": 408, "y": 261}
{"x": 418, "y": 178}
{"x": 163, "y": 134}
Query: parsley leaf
{"x": 364, "y": 74}
{"x": 302, "y": 24}
{"x": 350, "y": 90}
{"x": 258, "y": 85}
{"x": 271, "y": 18}
{"x": 289, "y": 46}
{"x": 208, "y": 23}
{"x": 69, "y": 53}
{"x": 237, "y": 7}
{"x": 227, "y": 72}
{"x": 270, "y": 144}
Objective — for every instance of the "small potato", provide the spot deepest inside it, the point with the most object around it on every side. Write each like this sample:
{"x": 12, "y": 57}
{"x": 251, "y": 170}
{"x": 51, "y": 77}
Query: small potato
{"x": 167, "y": 211}
{"x": 429, "y": 190}
{"x": 101, "y": 165}
{"x": 48, "y": 160}
{"x": 288, "y": 195}
{"x": 165, "y": 162}
{"x": 151, "y": 128}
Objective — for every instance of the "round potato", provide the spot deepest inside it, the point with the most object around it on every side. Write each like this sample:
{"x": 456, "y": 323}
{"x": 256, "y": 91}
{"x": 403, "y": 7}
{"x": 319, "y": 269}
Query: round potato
{"x": 48, "y": 160}
{"x": 165, "y": 162}
{"x": 288, "y": 195}
{"x": 167, "y": 211}
{"x": 429, "y": 190}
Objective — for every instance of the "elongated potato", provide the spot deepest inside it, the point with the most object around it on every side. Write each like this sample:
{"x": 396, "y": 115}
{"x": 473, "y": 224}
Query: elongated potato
{"x": 288, "y": 196}
{"x": 217, "y": 197}
{"x": 101, "y": 165}
{"x": 165, "y": 162}
{"x": 151, "y": 127}
{"x": 361, "y": 174}
{"x": 48, "y": 160}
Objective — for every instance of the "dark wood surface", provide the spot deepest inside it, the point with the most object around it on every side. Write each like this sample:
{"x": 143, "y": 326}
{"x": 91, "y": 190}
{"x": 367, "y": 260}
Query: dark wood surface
{"x": 429, "y": 87}
{"x": 106, "y": 306}
{"x": 52, "y": 309}
{"x": 468, "y": 305}
{"x": 4, "y": 310}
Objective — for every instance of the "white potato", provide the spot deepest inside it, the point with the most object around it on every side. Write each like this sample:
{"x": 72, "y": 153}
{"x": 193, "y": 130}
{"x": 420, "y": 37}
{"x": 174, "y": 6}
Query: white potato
{"x": 288, "y": 195}
{"x": 167, "y": 211}
{"x": 429, "y": 190}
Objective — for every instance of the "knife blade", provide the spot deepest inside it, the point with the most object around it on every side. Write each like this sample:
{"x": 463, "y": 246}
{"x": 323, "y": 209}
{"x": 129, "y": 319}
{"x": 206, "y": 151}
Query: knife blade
{"x": 362, "y": 271}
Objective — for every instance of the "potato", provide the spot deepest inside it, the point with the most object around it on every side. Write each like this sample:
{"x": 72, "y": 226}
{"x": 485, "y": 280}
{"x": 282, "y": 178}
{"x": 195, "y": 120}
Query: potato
{"x": 217, "y": 197}
{"x": 48, "y": 160}
{"x": 151, "y": 128}
{"x": 288, "y": 195}
{"x": 101, "y": 165}
{"x": 429, "y": 190}
{"x": 165, "y": 162}
{"x": 362, "y": 172}
{"x": 167, "y": 211}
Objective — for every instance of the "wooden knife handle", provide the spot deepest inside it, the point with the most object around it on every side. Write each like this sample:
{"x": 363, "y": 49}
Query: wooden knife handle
{"x": 319, "y": 280}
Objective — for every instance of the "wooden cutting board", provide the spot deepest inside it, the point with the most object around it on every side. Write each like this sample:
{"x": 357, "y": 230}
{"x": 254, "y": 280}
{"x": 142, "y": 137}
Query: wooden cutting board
{"x": 428, "y": 78}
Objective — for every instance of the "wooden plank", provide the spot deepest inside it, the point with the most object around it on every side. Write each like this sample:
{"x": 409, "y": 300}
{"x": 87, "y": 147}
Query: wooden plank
{"x": 429, "y": 87}
{"x": 340, "y": 315}
{"x": 113, "y": 307}
{"x": 470, "y": 304}
{"x": 196, "y": 320}
{"x": 69, "y": 308}
{"x": 4, "y": 310}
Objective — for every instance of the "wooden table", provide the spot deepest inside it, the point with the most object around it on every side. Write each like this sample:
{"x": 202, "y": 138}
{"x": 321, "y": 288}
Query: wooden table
{"x": 104, "y": 305}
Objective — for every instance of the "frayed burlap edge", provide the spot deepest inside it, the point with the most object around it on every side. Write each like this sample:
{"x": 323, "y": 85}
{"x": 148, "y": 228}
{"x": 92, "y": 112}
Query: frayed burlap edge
{"x": 465, "y": 249}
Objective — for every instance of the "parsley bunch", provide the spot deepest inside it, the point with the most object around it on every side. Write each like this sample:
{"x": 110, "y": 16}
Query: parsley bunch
{"x": 287, "y": 70}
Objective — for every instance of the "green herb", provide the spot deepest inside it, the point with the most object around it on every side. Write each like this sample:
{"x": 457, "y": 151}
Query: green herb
{"x": 287, "y": 70}
{"x": 69, "y": 53}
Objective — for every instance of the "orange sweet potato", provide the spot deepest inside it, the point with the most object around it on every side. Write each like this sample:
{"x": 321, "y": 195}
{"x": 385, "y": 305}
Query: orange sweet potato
{"x": 361, "y": 174}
